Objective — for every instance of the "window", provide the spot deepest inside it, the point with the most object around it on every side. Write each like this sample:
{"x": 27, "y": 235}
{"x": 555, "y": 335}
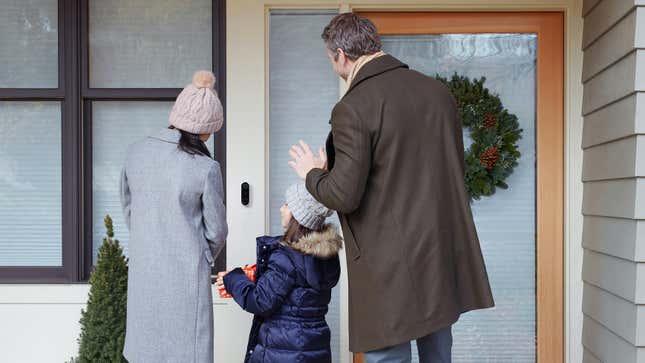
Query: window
{"x": 115, "y": 125}
{"x": 122, "y": 32}
{"x": 30, "y": 183}
{"x": 29, "y": 46}
{"x": 81, "y": 80}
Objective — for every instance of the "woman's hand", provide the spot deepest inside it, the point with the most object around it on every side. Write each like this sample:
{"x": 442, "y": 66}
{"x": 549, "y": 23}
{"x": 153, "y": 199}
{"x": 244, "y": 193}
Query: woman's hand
{"x": 220, "y": 279}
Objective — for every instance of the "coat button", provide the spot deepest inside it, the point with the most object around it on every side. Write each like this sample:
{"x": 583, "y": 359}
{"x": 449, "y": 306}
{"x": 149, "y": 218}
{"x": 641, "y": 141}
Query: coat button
{"x": 251, "y": 351}
{"x": 264, "y": 247}
{"x": 262, "y": 260}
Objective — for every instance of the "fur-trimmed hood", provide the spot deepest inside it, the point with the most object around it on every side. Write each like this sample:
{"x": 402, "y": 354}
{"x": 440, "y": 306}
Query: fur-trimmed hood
{"x": 323, "y": 244}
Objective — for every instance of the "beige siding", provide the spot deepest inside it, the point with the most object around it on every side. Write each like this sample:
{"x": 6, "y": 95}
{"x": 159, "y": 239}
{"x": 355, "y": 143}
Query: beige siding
{"x": 617, "y": 159}
{"x": 606, "y": 345}
{"x": 616, "y": 237}
{"x": 614, "y": 181}
{"x": 611, "y": 47}
{"x": 617, "y": 314}
{"x": 588, "y": 357}
{"x": 615, "y": 121}
{"x": 588, "y": 5}
{"x": 610, "y": 198}
{"x": 603, "y": 17}
{"x": 620, "y": 80}
{"x": 621, "y": 277}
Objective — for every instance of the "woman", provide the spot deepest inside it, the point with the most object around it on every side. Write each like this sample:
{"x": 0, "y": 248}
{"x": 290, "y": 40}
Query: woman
{"x": 171, "y": 194}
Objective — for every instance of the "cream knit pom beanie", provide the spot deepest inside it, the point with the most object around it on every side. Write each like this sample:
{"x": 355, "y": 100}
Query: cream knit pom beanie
{"x": 197, "y": 109}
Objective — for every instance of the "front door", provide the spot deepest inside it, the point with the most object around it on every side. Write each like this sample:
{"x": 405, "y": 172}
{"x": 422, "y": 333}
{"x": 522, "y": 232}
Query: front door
{"x": 520, "y": 228}
{"x": 288, "y": 94}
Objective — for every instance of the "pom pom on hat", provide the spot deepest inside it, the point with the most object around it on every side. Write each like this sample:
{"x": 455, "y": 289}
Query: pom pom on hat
{"x": 198, "y": 109}
{"x": 204, "y": 79}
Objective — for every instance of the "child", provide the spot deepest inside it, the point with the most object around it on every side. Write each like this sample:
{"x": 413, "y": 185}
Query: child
{"x": 295, "y": 275}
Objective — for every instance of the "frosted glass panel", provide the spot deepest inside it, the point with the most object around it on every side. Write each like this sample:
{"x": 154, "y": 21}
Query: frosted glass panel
{"x": 29, "y": 43}
{"x": 506, "y": 221}
{"x": 302, "y": 91}
{"x": 115, "y": 125}
{"x": 30, "y": 184}
{"x": 144, "y": 44}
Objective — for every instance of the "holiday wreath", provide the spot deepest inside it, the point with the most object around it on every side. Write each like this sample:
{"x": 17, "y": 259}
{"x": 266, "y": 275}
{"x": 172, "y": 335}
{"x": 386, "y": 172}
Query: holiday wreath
{"x": 494, "y": 132}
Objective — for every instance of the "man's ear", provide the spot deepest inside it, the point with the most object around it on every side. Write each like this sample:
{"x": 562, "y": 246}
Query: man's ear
{"x": 341, "y": 57}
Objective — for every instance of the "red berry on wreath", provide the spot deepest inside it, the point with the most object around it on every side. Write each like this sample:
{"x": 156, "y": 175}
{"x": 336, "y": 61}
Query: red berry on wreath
{"x": 490, "y": 157}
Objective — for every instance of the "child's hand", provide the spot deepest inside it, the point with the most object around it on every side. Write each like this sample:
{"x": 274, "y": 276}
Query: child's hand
{"x": 220, "y": 279}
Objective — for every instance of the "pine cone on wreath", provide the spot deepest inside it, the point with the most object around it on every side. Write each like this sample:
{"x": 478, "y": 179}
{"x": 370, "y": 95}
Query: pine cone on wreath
{"x": 489, "y": 120}
{"x": 490, "y": 157}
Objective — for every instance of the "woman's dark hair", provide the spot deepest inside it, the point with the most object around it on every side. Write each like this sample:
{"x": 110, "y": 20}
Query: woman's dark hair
{"x": 295, "y": 231}
{"x": 191, "y": 143}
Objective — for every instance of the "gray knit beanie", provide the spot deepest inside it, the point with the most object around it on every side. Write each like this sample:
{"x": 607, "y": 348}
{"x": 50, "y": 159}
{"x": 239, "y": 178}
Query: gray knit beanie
{"x": 305, "y": 209}
{"x": 197, "y": 109}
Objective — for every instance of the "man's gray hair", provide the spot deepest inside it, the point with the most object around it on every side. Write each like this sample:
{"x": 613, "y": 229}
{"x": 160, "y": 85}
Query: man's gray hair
{"x": 355, "y": 35}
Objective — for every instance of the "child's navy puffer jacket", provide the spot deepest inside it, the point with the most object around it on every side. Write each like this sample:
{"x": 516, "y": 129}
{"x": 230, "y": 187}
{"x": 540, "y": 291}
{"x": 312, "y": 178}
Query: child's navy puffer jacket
{"x": 290, "y": 298}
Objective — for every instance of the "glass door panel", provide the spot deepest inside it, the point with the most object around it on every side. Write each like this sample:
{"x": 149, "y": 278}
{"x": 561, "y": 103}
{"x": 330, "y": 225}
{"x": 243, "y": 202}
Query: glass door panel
{"x": 302, "y": 92}
{"x": 505, "y": 221}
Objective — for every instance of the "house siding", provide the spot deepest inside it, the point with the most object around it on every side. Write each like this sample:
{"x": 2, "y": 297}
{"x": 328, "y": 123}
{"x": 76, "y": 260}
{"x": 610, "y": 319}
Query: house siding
{"x": 31, "y": 316}
{"x": 613, "y": 176}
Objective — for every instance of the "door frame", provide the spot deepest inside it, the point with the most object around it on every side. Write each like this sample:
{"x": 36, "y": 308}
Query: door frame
{"x": 550, "y": 180}
{"x": 247, "y": 56}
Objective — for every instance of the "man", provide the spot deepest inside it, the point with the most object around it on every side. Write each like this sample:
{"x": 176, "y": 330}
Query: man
{"x": 396, "y": 179}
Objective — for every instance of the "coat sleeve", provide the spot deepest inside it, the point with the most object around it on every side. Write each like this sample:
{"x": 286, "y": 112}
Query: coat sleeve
{"x": 125, "y": 197}
{"x": 271, "y": 290}
{"x": 342, "y": 188}
{"x": 214, "y": 211}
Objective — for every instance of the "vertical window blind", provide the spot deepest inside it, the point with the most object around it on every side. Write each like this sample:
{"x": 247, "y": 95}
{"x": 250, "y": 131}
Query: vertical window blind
{"x": 29, "y": 44}
{"x": 143, "y": 44}
{"x": 30, "y": 184}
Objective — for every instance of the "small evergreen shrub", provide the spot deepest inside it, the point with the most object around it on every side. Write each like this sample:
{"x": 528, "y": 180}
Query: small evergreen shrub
{"x": 103, "y": 320}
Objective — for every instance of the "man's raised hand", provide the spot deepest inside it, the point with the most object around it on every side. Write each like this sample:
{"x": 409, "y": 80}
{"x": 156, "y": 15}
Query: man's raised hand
{"x": 304, "y": 160}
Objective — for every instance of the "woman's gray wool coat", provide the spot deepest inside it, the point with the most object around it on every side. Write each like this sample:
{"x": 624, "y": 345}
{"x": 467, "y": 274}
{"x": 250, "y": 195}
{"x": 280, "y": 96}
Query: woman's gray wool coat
{"x": 172, "y": 203}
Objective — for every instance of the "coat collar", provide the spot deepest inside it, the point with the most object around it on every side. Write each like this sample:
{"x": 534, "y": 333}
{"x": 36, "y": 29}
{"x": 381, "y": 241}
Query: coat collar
{"x": 168, "y": 135}
{"x": 267, "y": 240}
{"x": 323, "y": 244}
{"x": 374, "y": 68}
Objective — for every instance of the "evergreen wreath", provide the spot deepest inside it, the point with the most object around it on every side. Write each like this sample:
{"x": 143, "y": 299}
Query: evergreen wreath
{"x": 495, "y": 132}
